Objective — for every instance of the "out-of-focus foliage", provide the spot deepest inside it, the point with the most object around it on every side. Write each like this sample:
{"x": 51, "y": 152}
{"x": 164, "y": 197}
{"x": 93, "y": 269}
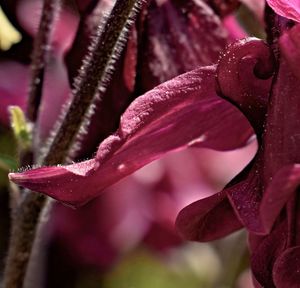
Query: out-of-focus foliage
{"x": 144, "y": 270}
{"x": 8, "y": 34}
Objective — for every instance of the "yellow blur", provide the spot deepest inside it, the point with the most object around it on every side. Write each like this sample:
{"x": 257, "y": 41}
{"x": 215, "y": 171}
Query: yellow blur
{"x": 8, "y": 34}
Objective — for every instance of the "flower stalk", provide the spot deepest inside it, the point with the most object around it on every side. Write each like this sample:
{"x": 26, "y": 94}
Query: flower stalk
{"x": 41, "y": 49}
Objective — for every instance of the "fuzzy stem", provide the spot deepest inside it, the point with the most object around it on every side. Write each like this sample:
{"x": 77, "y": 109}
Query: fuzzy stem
{"x": 39, "y": 56}
{"x": 92, "y": 81}
{"x": 96, "y": 70}
{"x": 25, "y": 215}
{"x": 25, "y": 219}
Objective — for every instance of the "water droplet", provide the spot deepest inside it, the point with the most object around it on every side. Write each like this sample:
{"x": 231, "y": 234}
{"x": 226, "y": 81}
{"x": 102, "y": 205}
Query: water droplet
{"x": 121, "y": 167}
{"x": 198, "y": 140}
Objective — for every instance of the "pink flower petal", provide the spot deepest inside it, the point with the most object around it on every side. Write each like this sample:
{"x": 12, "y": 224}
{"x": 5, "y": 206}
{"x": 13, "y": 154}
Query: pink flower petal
{"x": 286, "y": 8}
{"x": 181, "y": 113}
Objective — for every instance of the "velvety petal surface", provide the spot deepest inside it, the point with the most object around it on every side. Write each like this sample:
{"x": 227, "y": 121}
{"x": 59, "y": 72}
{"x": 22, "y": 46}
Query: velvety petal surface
{"x": 208, "y": 219}
{"x": 265, "y": 255}
{"x": 281, "y": 189}
{"x": 245, "y": 197}
{"x": 286, "y": 271}
{"x": 290, "y": 46}
{"x": 244, "y": 76}
{"x": 286, "y": 8}
{"x": 257, "y": 210}
{"x": 183, "y": 112}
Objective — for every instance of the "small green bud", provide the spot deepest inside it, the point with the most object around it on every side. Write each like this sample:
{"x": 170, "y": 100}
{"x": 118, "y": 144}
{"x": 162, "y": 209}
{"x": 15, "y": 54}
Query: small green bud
{"x": 21, "y": 128}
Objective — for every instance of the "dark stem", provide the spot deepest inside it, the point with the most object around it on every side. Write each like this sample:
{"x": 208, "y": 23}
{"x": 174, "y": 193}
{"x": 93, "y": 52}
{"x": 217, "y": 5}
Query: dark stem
{"x": 39, "y": 56}
{"x": 94, "y": 76}
{"x": 25, "y": 220}
{"x": 25, "y": 215}
{"x": 91, "y": 82}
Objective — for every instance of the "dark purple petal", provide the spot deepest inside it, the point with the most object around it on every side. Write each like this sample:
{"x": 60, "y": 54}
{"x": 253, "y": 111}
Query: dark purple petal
{"x": 286, "y": 8}
{"x": 265, "y": 255}
{"x": 245, "y": 197}
{"x": 281, "y": 189}
{"x": 290, "y": 46}
{"x": 208, "y": 219}
{"x": 244, "y": 76}
{"x": 258, "y": 213}
{"x": 282, "y": 129}
{"x": 183, "y": 112}
{"x": 178, "y": 36}
{"x": 286, "y": 271}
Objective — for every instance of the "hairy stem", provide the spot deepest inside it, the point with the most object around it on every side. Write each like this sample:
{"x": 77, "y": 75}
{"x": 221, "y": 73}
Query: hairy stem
{"x": 91, "y": 82}
{"x": 96, "y": 70}
{"x": 25, "y": 215}
{"x": 24, "y": 222}
{"x": 39, "y": 56}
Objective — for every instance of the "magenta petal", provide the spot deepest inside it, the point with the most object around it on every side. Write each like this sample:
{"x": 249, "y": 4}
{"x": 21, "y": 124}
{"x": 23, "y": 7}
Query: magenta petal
{"x": 245, "y": 198}
{"x": 286, "y": 271}
{"x": 265, "y": 255}
{"x": 208, "y": 219}
{"x": 280, "y": 190}
{"x": 183, "y": 112}
{"x": 286, "y": 8}
{"x": 256, "y": 211}
{"x": 244, "y": 76}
